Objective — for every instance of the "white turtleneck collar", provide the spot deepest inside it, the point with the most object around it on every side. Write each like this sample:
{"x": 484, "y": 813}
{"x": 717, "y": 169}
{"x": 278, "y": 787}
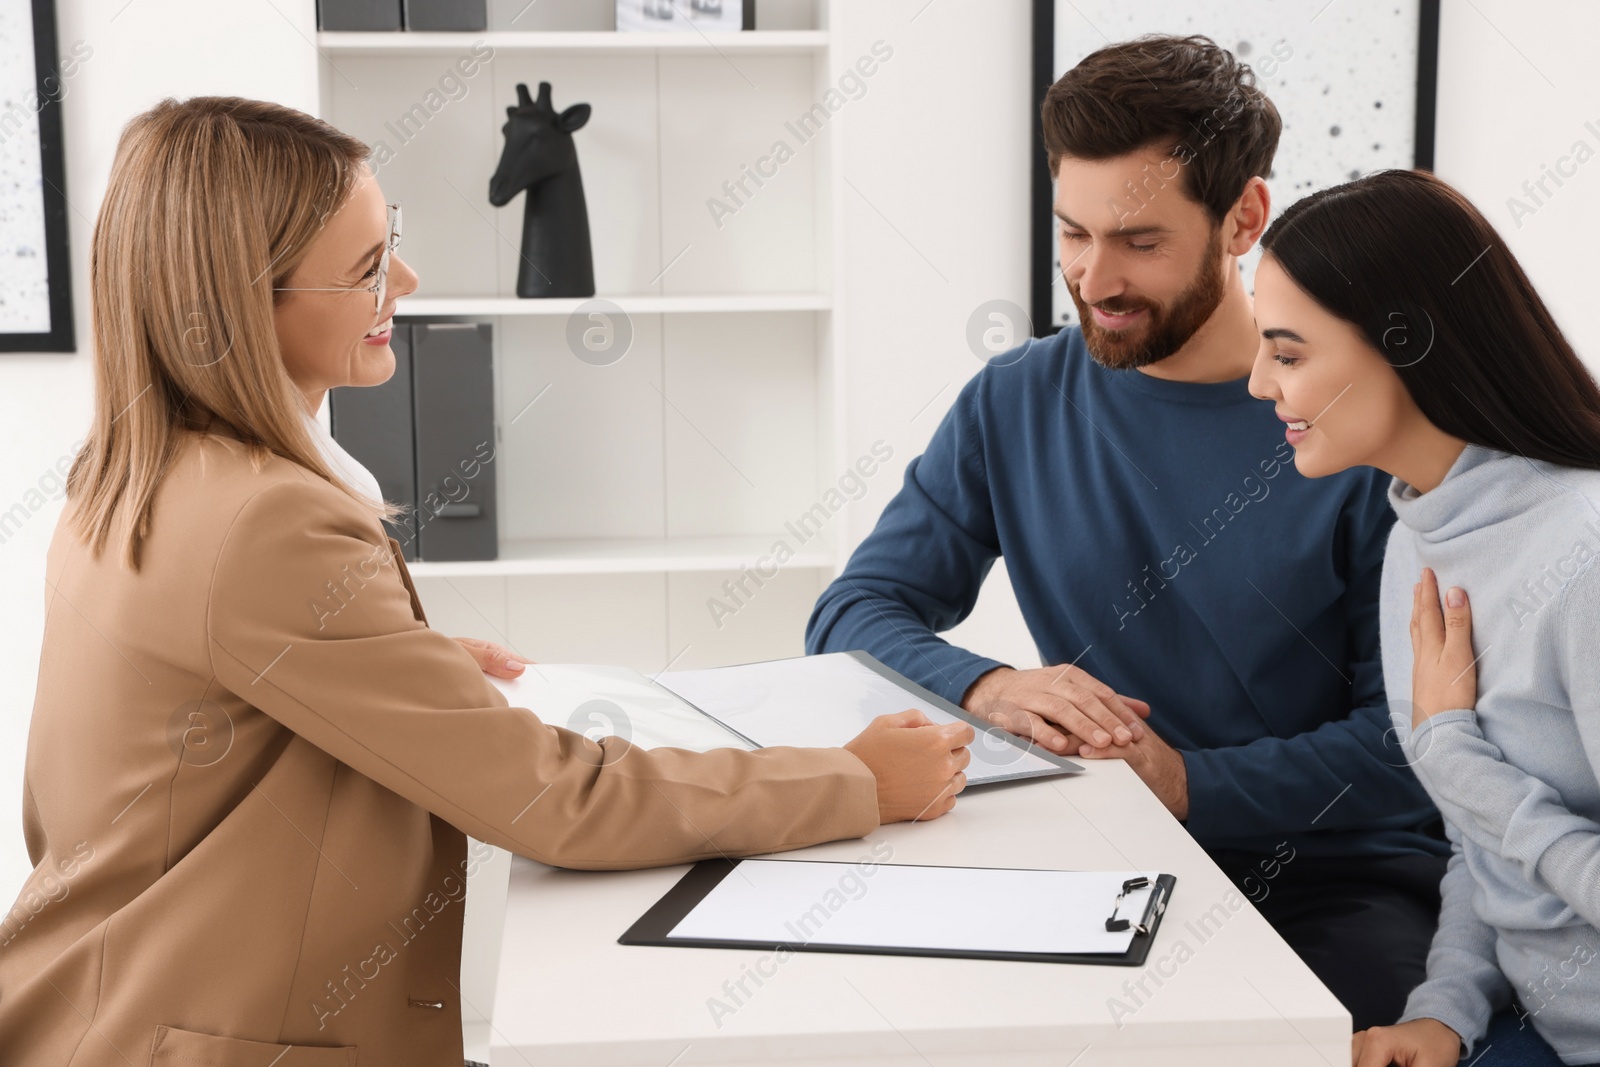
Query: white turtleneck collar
{"x": 343, "y": 463}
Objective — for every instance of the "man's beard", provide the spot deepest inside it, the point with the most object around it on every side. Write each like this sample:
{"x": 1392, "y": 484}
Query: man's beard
{"x": 1165, "y": 329}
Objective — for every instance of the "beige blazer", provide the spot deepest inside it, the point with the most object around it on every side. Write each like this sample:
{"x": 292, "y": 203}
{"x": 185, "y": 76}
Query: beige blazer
{"x": 250, "y": 773}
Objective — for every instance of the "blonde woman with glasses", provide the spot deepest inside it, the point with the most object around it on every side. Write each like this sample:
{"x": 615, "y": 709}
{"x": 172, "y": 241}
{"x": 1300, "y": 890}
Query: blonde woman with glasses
{"x": 252, "y": 766}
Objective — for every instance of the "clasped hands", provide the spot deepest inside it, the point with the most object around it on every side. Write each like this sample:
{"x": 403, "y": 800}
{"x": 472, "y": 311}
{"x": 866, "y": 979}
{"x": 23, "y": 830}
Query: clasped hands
{"x": 1068, "y": 711}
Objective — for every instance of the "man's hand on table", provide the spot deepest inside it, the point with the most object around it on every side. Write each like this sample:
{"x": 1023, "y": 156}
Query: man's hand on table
{"x": 1059, "y": 708}
{"x": 1067, "y": 710}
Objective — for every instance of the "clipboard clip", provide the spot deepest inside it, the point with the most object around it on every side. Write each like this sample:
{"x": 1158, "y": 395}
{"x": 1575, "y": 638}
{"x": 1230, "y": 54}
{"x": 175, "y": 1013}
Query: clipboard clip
{"x": 1115, "y": 925}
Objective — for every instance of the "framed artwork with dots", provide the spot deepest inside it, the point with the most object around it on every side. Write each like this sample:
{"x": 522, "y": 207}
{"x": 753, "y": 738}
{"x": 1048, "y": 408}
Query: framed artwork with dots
{"x": 1355, "y": 85}
{"x": 35, "y": 272}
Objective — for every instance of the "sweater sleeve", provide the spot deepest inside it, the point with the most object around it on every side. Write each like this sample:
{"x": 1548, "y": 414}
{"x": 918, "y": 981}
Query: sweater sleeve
{"x": 309, "y": 622}
{"x": 920, "y": 570}
{"x": 1348, "y": 773}
{"x": 1509, "y": 811}
{"x": 1464, "y": 986}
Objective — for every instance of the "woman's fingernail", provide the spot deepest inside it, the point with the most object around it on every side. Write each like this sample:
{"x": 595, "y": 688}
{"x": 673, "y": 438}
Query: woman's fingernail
{"x": 1456, "y": 598}
{"x": 1102, "y": 738}
{"x": 513, "y": 665}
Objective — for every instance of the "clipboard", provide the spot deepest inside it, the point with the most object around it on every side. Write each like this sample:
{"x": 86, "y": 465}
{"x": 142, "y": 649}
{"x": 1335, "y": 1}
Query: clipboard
{"x": 657, "y": 925}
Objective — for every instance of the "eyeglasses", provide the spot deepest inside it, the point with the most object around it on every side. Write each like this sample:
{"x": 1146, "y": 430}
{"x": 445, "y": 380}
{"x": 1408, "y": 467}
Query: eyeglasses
{"x": 380, "y": 283}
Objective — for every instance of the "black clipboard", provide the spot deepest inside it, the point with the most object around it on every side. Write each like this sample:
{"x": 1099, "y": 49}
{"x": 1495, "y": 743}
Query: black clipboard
{"x": 655, "y": 926}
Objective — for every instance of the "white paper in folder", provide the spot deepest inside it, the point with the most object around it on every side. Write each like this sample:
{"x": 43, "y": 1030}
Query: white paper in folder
{"x": 601, "y": 701}
{"x": 820, "y": 701}
{"x": 809, "y": 702}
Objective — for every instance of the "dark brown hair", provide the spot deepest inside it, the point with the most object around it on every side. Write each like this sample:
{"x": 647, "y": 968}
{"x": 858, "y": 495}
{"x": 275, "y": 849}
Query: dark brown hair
{"x": 1408, "y": 260}
{"x": 1184, "y": 94}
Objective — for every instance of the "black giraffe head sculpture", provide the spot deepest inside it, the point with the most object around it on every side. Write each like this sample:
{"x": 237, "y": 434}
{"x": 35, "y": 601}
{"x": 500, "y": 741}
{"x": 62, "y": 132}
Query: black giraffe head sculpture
{"x": 540, "y": 157}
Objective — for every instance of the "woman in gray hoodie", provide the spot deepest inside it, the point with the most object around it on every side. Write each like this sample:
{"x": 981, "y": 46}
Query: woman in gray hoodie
{"x": 1399, "y": 332}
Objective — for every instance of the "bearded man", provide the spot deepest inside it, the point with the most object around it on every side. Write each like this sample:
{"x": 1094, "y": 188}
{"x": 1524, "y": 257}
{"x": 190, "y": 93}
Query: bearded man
{"x": 1205, "y": 612}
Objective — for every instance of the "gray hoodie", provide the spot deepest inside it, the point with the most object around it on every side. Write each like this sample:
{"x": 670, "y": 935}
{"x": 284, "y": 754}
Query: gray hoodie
{"x": 1515, "y": 778}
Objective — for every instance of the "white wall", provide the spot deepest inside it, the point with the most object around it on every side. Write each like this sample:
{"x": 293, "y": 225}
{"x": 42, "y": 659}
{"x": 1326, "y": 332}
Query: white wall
{"x": 1517, "y": 82}
{"x": 142, "y": 51}
{"x": 935, "y": 220}
{"x": 936, "y": 217}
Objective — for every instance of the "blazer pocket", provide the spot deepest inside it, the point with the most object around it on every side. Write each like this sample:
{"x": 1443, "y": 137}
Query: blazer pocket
{"x": 187, "y": 1048}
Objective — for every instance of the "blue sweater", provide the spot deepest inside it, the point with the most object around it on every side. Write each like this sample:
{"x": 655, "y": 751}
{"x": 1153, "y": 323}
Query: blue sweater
{"x": 1515, "y": 776}
{"x": 1158, "y": 534}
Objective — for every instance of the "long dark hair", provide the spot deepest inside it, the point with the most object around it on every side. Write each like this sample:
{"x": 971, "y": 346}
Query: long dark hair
{"x": 1408, "y": 260}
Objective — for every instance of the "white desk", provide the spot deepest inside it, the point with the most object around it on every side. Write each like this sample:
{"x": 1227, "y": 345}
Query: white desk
{"x": 568, "y": 994}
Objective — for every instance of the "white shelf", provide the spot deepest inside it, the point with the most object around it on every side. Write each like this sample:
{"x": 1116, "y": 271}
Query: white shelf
{"x": 643, "y": 304}
{"x": 645, "y": 555}
{"x": 769, "y": 42}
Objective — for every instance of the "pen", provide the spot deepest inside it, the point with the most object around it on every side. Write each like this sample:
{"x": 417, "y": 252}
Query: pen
{"x": 1153, "y": 909}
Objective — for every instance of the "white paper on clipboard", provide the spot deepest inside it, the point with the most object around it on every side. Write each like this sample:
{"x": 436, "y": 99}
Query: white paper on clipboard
{"x": 966, "y": 909}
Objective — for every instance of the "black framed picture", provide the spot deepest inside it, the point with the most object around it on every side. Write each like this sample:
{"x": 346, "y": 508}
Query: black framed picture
{"x": 35, "y": 266}
{"x": 1355, "y": 85}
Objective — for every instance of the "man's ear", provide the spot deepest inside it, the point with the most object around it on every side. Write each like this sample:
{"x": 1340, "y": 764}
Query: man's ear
{"x": 573, "y": 118}
{"x": 1250, "y": 214}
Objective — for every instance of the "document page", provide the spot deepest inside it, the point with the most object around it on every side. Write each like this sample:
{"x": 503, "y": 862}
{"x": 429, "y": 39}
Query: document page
{"x": 974, "y": 909}
{"x": 824, "y": 701}
{"x": 613, "y": 701}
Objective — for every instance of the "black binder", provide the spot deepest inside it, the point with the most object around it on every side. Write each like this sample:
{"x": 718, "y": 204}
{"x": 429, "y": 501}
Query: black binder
{"x": 452, "y": 374}
{"x": 358, "y": 14}
{"x": 655, "y": 926}
{"x": 451, "y": 15}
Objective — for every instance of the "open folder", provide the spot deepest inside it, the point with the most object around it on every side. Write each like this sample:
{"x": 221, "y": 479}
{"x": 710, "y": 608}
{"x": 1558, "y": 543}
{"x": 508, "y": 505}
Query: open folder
{"x": 811, "y": 702}
{"x": 1105, "y": 917}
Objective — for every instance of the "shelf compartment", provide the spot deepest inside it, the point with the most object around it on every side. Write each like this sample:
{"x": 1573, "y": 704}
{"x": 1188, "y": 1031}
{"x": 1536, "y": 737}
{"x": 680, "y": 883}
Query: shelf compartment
{"x": 631, "y": 555}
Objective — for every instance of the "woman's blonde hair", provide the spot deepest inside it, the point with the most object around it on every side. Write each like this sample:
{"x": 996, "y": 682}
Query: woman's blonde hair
{"x": 212, "y": 202}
